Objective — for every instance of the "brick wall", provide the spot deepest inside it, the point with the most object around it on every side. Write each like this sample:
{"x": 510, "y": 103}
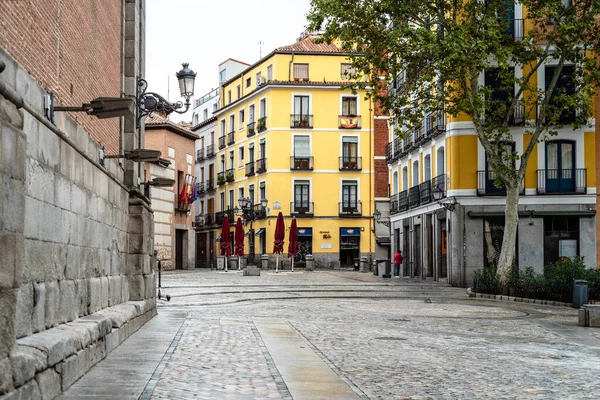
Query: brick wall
{"x": 380, "y": 133}
{"x": 72, "y": 48}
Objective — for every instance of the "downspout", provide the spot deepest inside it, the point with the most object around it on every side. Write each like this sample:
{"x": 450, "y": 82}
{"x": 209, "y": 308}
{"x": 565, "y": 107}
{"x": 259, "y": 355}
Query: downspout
{"x": 290, "y": 68}
{"x": 371, "y": 190}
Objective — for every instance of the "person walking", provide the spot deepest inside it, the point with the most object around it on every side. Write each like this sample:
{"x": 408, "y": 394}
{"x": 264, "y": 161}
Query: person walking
{"x": 397, "y": 261}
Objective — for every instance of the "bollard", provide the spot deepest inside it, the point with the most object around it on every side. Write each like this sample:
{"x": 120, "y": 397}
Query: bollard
{"x": 363, "y": 264}
{"x": 310, "y": 262}
{"x": 580, "y": 293}
{"x": 264, "y": 261}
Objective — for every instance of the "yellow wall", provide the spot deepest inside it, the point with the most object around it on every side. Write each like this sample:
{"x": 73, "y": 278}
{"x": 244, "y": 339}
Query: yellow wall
{"x": 532, "y": 164}
{"x": 589, "y": 140}
{"x": 461, "y": 153}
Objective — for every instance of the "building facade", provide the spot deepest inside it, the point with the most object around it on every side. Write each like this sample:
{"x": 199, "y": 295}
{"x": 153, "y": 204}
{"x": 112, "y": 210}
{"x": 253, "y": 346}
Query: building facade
{"x": 447, "y": 209}
{"x": 76, "y": 233}
{"x": 205, "y": 126}
{"x": 288, "y": 134}
{"x": 174, "y": 238}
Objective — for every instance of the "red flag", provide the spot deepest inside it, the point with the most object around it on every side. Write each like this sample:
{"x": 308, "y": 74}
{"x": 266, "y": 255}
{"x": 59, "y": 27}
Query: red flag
{"x": 182, "y": 194}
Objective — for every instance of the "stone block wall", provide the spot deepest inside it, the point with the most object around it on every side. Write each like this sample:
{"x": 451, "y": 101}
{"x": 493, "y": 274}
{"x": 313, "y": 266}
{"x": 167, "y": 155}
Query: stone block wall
{"x": 76, "y": 275}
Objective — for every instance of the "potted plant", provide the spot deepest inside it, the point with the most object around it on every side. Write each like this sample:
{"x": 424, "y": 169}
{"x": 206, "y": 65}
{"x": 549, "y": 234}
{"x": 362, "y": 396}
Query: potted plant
{"x": 229, "y": 177}
{"x": 220, "y": 180}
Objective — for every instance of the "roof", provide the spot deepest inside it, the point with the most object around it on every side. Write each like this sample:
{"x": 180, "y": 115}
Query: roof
{"x": 233, "y": 59}
{"x": 156, "y": 121}
{"x": 308, "y": 44}
{"x": 203, "y": 123}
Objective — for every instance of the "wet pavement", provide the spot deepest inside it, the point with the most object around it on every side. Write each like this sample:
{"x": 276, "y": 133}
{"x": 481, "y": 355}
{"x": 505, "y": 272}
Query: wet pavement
{"x": 345, "y": 335}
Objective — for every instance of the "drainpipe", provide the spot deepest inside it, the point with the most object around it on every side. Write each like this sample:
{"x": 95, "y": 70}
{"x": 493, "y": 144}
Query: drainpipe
{"x": 290, "y": 68}
{"x": 371, "y": 190}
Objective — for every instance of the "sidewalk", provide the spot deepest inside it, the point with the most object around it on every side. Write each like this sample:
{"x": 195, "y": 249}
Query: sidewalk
{"x": 132, "y": 369}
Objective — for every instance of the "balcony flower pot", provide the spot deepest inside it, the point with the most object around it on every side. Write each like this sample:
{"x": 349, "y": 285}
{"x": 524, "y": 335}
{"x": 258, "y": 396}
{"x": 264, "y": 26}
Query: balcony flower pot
{"x": 229, "y": 177}
{"x": 220, "y": 180}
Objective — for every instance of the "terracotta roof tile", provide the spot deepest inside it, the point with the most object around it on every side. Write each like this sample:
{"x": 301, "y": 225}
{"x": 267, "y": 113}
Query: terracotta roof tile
{"x": 308, "y": 44}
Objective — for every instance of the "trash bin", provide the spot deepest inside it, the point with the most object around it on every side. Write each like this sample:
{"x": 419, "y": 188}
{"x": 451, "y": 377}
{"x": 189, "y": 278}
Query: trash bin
{"x": 580, "y": 293}
{"x": 388, "y": 269}
{"x": 384, "y": 269}
{"x": 356, "y": 261}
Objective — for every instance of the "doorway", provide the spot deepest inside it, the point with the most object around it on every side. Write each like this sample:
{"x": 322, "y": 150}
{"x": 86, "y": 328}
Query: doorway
{"x": 349, "y": 246}
{"x": 180, "y": 236}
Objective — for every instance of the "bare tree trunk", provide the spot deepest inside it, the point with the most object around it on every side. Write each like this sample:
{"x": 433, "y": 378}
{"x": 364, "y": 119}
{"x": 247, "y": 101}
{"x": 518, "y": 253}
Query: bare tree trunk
{"x": 509, "y": 239}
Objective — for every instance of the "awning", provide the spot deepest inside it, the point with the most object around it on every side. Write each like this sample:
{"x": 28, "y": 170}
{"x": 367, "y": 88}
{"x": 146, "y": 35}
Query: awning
{"x": 384, "y": 241}
{"x": 219, "y": 238}
{"x": 260, "y": 232}
{"x": 350, "y": 232}
{"x": 247, "y": 234}
{"x": 304, "y": 232}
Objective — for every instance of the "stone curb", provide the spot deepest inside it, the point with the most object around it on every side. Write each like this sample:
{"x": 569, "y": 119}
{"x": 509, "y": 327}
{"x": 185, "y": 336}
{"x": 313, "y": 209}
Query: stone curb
{"x": 517, "y": 299}
{"x": 47, "y": 363}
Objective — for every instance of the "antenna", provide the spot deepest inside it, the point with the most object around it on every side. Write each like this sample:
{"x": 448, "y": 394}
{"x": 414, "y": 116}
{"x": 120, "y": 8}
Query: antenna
{"x": 168, "y": 87}
{"x": 260, "y": 43}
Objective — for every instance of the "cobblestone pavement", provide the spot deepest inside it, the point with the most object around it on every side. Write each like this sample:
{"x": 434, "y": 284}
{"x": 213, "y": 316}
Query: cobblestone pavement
{"x": 392, "y": 339}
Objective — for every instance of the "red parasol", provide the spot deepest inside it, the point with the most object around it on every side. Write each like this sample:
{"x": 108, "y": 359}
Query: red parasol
{"x": 279, "y": 234}
{"x": 239, "y": 238}
{"x": 293, "y": 246}
{"x": 225, "y": 245}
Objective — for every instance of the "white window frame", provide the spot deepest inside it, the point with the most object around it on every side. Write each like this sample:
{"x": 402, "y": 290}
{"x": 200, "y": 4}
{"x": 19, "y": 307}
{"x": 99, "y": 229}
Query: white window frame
{"x": 294, "y": 140}
{"x": 357, "y": 102}
{"x": 241, "y": 155}
{"x": 342, "y": 180}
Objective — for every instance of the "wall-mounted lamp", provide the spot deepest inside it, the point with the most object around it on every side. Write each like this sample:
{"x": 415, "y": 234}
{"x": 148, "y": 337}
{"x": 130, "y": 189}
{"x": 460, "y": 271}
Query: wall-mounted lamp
{"x": 438, "y": 194}
{"x": 102, "y": 107}
{"x": 136, "y": 155}
{"x": 377, "y": 216}
{"x": 157, "y": 182}
{"x": 149, "y": 102}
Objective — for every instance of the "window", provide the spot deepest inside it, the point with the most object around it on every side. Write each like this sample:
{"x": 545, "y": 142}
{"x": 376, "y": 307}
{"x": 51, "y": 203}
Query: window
{"x": 222, "y": 162}
{"x": 347, "y": 71}
{"x": 301, "y": 105}
{"x": 564, "y": 89}
{"x": 404, "y": 178}
{"x": 205, "y": 114}
{"x": 242, "y": 118}
{"x": 427, "y": 168}
{"x": 349, "y": 196}
{"x": 301, "y": 196}
{"x": 215, "y": 107}
{"x": 251, "y": 194}
{"x": 248, "y": 82}
{"x": 195, "y": 119}
{"x": 231, "y": 158}
{"x": 349, "y": 106}
{"x": 241, "y": 156}
{"x": 270, "y": 72}
{"x": 349, "y": 152}
{"x": 561, "y": 238}
{"x": 263, "y": 190}
{"x": 239, "y": 91}
{"x": 560, "y": 167}
{"x": 251, "y": 113}
{"x": 395, "y": 182}
{"x": 258, "y": 78}
{"x": 222, "y": 127}
{"x": 415, "y": 171}
{"x": 231, "y": 123}
{"x": 222, "y": 75}
{"x": 263, "y": 108}
{"x": 228, "y": 96}
{"x": 251, "y": 152}
{"x": 301, "y": 71}
{"x": 232, "y": 202}
{"x": 240, "y": 192}
{"x": 302, "y": 147}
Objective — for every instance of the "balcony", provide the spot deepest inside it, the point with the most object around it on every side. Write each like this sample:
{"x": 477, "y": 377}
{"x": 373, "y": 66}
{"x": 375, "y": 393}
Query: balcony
{"x": 350, "y": 209}
{"x": 261, "y": 165}
{"x": 221, "y": 142}
{"x": 394, "y": 204}
{"x": 301, "y": 121}
{"x": 350, "y": 163}
{"x": 210, "y": 151}
{"x": 261, "y": 124}
{"x": 425, "y": 192}
{"x": 221, "y": 178}
{"x": 219, "y": 216}
{"x": 250, "y": 168}
{"x": 184, "y": 207}
{"x": 562, "y": 181}
{"x": 403, "y": 201}
{"x": 488, "y": 185}
{"x": 414, "y": 196}
{"x": 438, "y": 184}
{"x": 199, "y": 155}
{"x": 259, "y": 212}
{"x": 349, "y": 121}
{"x": 301, "y": 163}
{"x": 230, "y": 175}
{"x": 210, "y": 185}
{"x": 231, "y": 138}
{"x": 251, "y": 129}
{"x": 201, "y": 221}
{"x": 302, "y": 209}
{"x": 199, "y": 189}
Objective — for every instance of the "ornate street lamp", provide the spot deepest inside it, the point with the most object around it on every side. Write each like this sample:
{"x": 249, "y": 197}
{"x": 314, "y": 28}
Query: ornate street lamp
{"x": 377, "y": 216}
{"x": 246, "y": 204}
{"x": 148, "y": 102}
{"x": 438, "y": 194}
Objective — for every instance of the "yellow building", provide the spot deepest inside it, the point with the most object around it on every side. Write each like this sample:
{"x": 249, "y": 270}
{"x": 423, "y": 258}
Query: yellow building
{"x": 288, "y": 134}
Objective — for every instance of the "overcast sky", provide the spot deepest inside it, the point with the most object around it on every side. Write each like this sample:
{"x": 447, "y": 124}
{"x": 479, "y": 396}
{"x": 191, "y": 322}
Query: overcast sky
{"x": 205, "y": 33}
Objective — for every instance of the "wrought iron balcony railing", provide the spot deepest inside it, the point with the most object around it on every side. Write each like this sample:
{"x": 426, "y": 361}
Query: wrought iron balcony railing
{"x": 488, "y": 185}
{"x": 231, "y": 138}
{"x": 230, "y": 175}
{"x": 261, "y": 124}
{"x": 350, "y": 209}
{"x": 425, "y": 192}
{"x": 414, "y": 196}
{"x": 199, "y": 155}
{"x": 438, "y": 184}
{"x": 221, "y": 178}
{"x": 210, "y": 185}
{"x": 349, "y": 121}
{"x": 304, "y": 208}
{"x": 301, "y": 121}
{"x": 350, "y": 163}
{"x": 301, "y": 163}
{"x": 250, "y": 168}
{"x": 261, "y": 165}
{"x": 562, "y": 181}
{"x": 251, "y": 129}
{"x": 394, "y": 204}
{"x": 219, "y": 216}
{"x": 403, "y": 200}
{"x": 222, "y": 142}
{"x": 210, "y": 151}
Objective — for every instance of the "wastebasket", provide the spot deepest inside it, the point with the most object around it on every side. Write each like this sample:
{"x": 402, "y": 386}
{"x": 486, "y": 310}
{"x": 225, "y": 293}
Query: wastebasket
{"x": 385, "y": 270}
{"x": 580, "y": 293}
{"x": 356, "y": 261}
{"x": 388, "y": 269}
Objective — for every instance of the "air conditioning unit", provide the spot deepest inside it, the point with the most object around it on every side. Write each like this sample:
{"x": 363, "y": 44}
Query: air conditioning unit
{"x": 260, "y": 81}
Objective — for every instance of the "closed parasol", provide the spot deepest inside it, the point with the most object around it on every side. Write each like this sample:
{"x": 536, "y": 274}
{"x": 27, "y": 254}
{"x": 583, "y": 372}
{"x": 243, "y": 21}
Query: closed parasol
{"x": 225, "y": 244}
{"x": 239, "y": 240}
{"x": 293, "y": 245}
{"x": 279, "y": 236}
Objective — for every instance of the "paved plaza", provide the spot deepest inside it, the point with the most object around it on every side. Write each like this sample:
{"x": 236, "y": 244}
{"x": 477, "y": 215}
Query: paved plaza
{"x": 345, "y": 335}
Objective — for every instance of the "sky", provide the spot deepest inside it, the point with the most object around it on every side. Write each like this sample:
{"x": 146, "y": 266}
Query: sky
{"x": 205, "y": 33}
